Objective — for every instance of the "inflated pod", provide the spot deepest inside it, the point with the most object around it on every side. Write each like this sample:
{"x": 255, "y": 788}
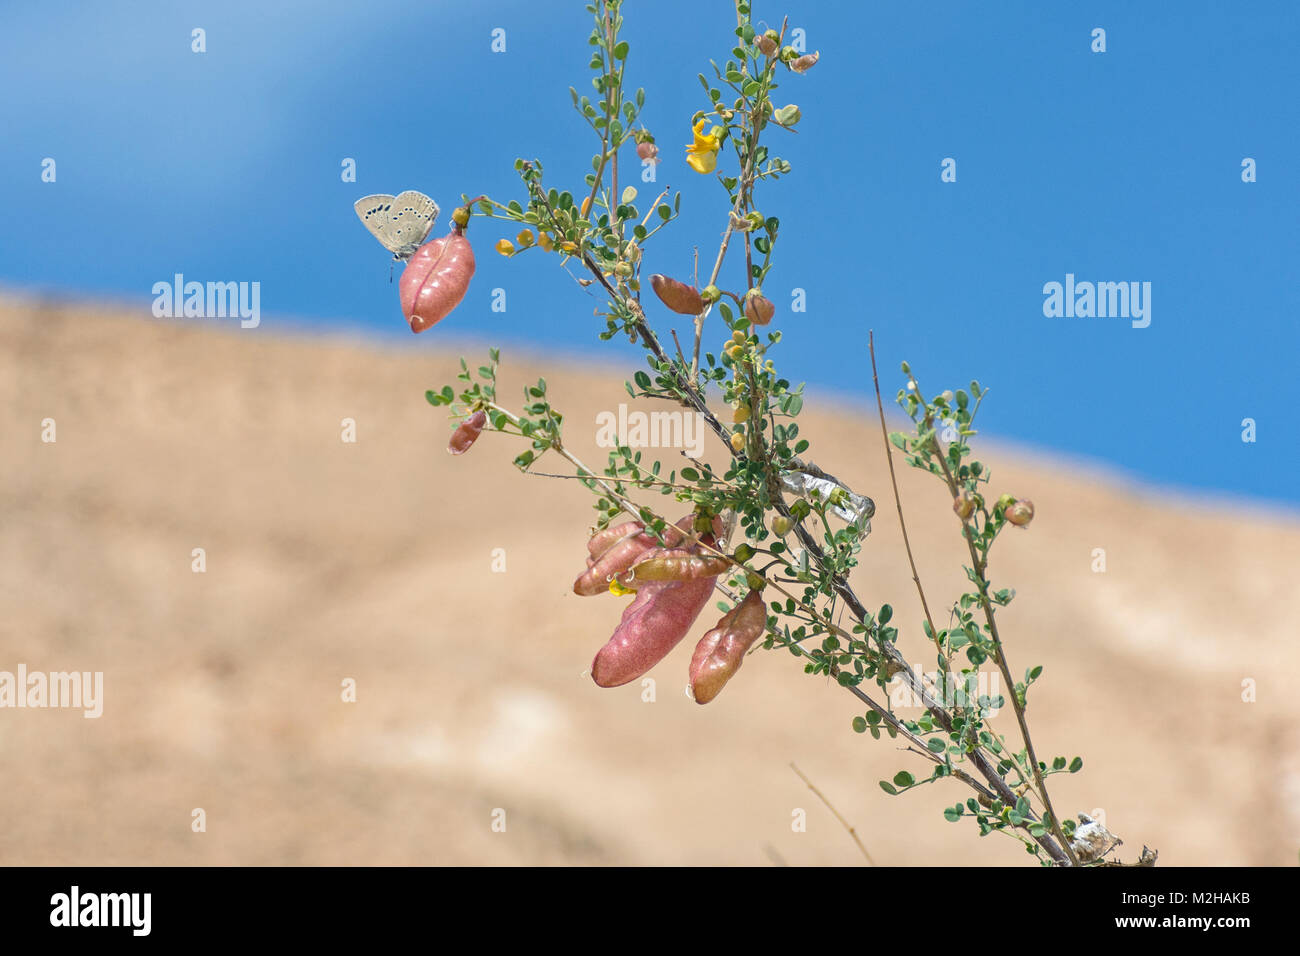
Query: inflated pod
{"x": 681, "y": 298}
{"x": 602, "y": 540}
{"x": 436, "y": 279}
{"x": 677, "y": 565}
{"x": 721, "y": 651}
{"x": 621, "y": 555}
{"x": 759, "y": 310}
{"x": 653, "y": 624}
{"x": 465, "y": 436}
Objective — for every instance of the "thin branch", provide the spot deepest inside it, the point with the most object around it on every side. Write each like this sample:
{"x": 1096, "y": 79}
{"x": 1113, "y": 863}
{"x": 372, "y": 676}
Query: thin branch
{"x": 898, "y": 501}
{"x": 831, "y": 807}
{"x": 980, "y": 568}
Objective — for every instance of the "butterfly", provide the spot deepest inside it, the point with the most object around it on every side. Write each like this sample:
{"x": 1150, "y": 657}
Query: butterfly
{"x": 401, "y": 222}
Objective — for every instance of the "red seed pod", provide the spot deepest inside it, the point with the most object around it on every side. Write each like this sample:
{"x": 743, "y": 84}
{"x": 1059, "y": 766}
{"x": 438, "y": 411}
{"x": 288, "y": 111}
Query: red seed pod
{"x": 648, "y": 151}
{"x": 653, "y": 624}
{"x": 676, "y": 565}
{"x": 465, "y": 436}
{"x": 721, "y": 651}
{"x": 805, "y": 63}
{"x": 1020, "y": 512}
{"x": 601, "y": 541}
{"x": 759, "y": 310}
{"x": 436, "y": 279}
{"x": 621, "y": 555}
{"x": 681, "y": 298}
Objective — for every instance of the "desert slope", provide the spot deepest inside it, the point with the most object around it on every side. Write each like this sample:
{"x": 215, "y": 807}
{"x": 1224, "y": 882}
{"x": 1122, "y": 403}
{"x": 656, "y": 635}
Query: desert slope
{"x": 374, "y": 561}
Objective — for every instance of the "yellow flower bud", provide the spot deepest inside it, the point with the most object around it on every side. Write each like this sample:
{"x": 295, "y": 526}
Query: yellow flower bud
{"x": 525, "y": 238}
{"x": 461, "y": 216}
{"x": 740, "y": 413}
{"x": 737, "y": 442}
{"x": 545, "y": 241}
{"x": 781, "y": 526}
{"x": 505, "y": 247}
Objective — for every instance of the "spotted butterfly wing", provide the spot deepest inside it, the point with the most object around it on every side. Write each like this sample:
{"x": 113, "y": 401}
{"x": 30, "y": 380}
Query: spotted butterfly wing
{"x": 401, "y": 223}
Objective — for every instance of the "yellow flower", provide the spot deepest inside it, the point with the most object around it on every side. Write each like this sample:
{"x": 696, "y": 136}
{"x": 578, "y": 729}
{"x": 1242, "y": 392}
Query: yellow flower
{"x": 702, "y": 155}
{"x": 617, "y": 589}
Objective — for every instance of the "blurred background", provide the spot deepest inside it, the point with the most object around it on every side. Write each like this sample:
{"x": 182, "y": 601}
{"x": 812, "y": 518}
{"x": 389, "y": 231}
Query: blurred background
{"x": 373, "y": 560}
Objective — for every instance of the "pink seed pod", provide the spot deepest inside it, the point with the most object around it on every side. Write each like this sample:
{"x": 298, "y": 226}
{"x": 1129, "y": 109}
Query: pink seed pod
{"x": 681, "y": 298}
{"x": 621, "y": 555}
{"x": 467, "y": 434}
{"x": 721, "y": 651}
{"x": 676, "y": 565}
{"x": 436, "y": 279}
{"x": 648, "y": 151}
{"x": 601, "y": 541}
{"x": 759, "y": 310}
{"x": 653, "y": 624}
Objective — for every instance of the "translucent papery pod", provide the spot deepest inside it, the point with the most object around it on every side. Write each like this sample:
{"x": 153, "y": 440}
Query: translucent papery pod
{"x": 677, "y": 564}
{"x": 724, "y": 527}
{"x": 854, "y": 509}
{"x": 721, "y": 651}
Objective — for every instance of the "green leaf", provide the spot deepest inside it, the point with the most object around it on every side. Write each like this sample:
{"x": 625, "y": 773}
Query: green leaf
{"x": 1076, "y": 765}
{"x": 859, "y": 725}
{"x": 884, "y": 784}
{"x": 904, "y": 779}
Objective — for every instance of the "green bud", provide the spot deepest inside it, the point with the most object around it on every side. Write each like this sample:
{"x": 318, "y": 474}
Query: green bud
{"x": 711, "y": 293}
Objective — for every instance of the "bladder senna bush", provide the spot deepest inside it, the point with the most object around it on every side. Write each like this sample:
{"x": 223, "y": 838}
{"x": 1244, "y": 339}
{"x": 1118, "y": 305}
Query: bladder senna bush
{"x": 772, "y": 534}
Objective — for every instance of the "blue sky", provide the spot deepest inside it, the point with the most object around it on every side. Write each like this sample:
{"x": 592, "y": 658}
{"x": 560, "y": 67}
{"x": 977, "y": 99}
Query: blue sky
{"x": 1115, "y": 166}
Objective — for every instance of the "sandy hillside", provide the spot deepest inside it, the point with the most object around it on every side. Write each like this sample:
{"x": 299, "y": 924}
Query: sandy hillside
{"x": 373, "y": 561}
